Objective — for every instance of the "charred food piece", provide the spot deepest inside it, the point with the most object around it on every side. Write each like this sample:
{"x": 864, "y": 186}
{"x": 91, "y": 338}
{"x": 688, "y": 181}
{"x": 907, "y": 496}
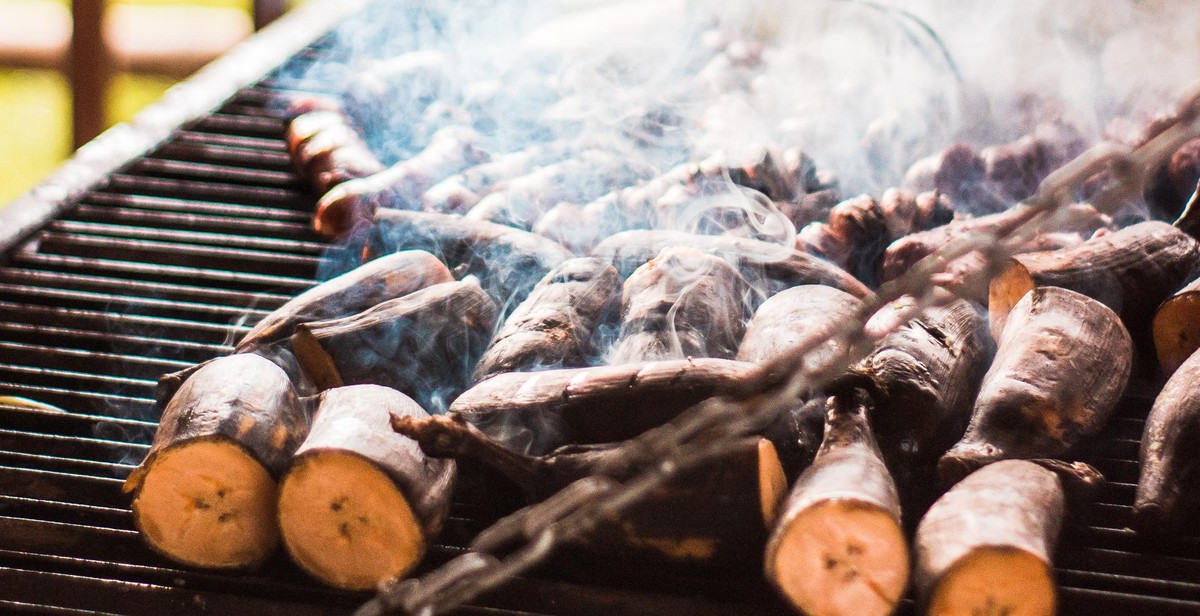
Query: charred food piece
{"x": 360, "y": 503}
{"x": 451, "y": 150}
{"x": 537, "y": 412}
{"x": 838, "y": 547}
{"x": 1167, "y": 489}
{"x": 1176, "y": 327}
{"x": 985, "y": 546}
{"x": 1062, "y": 364}
{"x": 768, "y": 268}
{"x": 554, "y": 326}
{"x": 508, "y": 261}
{"x": 711, "y": 516}
{"x": 206, "y": 494}
{"x": 683, "y": 303}
{"x": 326, "y": 150}
{"x": 923, "y": 377}
{"x": 424, "y": 344}
{"x": 1131, "y": 271}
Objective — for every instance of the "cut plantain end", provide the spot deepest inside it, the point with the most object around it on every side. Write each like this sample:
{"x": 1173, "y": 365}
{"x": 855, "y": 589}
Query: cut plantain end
{"x": 842, "y": 557}
{"x": 995, "y": 580}
{"x": 208, "y": 503}
{"x": 345, "y": 521}
{"x": 772, "y": 482}
{"x": 1176, "y": 333}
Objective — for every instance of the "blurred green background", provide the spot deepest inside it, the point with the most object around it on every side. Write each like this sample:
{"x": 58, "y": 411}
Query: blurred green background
{"x": 35, "y": 107}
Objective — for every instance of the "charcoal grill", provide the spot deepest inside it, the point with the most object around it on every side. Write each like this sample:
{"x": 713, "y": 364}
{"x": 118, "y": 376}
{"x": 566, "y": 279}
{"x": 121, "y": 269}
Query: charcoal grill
{"x": 162, "y": 242}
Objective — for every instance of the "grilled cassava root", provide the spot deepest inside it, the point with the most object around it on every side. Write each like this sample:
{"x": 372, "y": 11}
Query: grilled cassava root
{"x": 424, "y": 344}
{"x": 508, "y": 261}
{"x": 1167, "y": 488}
{"x": 838, "y": 547}
{"x": 1063, "y": 362}
{"x": 360, "y": 503}
{"x": 206, "y": 495}
{"x": 1177, "y": 327}
{"x": 985, "y": 546}
{"x": 1131, "y": 271}
{"x": 713, "y": 515}
{"x": 326, "y": 150}
{"x": 553, "y": 327}
{"x": 537, "y": 412}
{"x": 682, "y": 303}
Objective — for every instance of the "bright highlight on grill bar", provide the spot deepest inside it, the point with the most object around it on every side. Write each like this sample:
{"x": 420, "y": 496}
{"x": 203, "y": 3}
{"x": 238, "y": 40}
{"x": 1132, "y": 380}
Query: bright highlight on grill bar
{"x": 543, "y": 346}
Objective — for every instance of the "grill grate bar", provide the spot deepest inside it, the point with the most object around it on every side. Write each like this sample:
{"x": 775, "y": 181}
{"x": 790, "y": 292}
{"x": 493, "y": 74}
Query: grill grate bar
{"x": 200, "y": 238}
{"x": 161, "y": 272}
{"x": 202, "y": 191}
{"x": 250, "y": 126}
{"x": 228, "y": 225}
{"x": 151, "y": 290}
{"x": 88, "y": 339}
{"x": 273, "y": 144}
{"x": 185, "y": 206}
{"x": 227, "y": 154}
{"x": 163, "y": 167}
{"x": 193, "y": 331}
{"x": 89, "y": 401}
{"x": 146, "y": 306}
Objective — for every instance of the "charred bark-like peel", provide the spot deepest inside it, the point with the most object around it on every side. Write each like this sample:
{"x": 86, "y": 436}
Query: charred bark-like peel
{"x": 424, "y": 344}
{"x": 839, "y": 548}
{"x": 1177, "y": 327}
{"x": 537, "y": 412}
{"x": 768, "y": 267}
{"x": 205, "y": 495}
{"x": 985, "y": 546}
{"x": 1170, "y": 452}
{"x": 360, "y": 503}
{"x": 1062, "y": 364}
{"x": 682, "y": 303}
{"x": 923, "y": 377}
{"x": 1131, "y": 271}
{"x": 553, "y": 327}
{"x": 508, "y": 261}
{"x": 713, "y": 515}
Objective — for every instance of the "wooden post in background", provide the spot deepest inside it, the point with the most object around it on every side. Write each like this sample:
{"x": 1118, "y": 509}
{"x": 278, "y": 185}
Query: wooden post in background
{"x": 88, "y": 69}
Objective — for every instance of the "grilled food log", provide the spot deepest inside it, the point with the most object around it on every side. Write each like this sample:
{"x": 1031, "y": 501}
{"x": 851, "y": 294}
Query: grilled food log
{"x": 424, "y": 344}
{"x": 537, "y": 412}
{"x": 923, "y": 377}
{"x": 326, "y": 149}
{"x": 838, "y": 546}
{"x": 360, "y": 503}
{"x": 1176, "y": 327}
{"x": 1167, "y": 488}
{"x": 1131, "y": 271}
{"x": 554, "y": 326}
{"x": 769, "y": 268}
{"x": 682, "y": 303}
{"x": 1062, "y": 363}
{"x": 508, "y": 261}
{"x": 714, "y": 515}
{"x": 206, "y": 494}
{"x": 985, "y": 546}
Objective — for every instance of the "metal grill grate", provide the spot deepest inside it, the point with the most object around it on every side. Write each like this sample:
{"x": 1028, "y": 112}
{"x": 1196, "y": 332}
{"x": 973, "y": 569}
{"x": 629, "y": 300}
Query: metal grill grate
{"x": 171, "y": 258}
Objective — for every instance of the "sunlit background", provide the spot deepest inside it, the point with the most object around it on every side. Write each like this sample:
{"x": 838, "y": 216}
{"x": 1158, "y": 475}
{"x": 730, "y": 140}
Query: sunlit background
{"x": 35, "y": 91}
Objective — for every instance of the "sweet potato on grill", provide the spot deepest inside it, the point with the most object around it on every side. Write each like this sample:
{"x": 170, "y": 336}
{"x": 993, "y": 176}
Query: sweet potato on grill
{"x": 554, "y": 326}
{"x": 1062, "y": 364}
{"x": 360, "y": 503}
{"x": 923, "y": 377}
{"x": 1176, "y": 327}
{"x": 767, "y": 267}
{"x": 1131, "y": 271}
{"x": 537, "y": 412}
{"x": 713, "y": 515}
{"x": 838, "y": 547}
{"x": 1167, "y": 488}
{"x": 326, "y": 150}
{"x": 985, "y": 546}
{"x": 508, "y": 261}
{"x": 451, "y": 150}
{"x": 205, "y": 494}
{"x": 682, "y": 303}
{"x": 424, "y": 344}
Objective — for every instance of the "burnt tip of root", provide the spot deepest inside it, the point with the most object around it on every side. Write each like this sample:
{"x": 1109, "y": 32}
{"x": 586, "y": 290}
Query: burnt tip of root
{"x": 958, "y": 463}
{"x": 1153, "y": 520}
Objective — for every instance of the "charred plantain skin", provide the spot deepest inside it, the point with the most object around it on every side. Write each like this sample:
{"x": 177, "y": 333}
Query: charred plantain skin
{"x": 205, "y": 494}
{"x": 424, "y": 344}
{"x": 985, "y": 546}
{"x": 1131, "y": 271}
{"x": 1062, "y": 363}
{"x": 838, "y": 547}
{"x": 555, "y": 325}
{"x": 1170, "y": 444}
{"x": 360, "y": 503}
{"x": 326, "y": 149}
